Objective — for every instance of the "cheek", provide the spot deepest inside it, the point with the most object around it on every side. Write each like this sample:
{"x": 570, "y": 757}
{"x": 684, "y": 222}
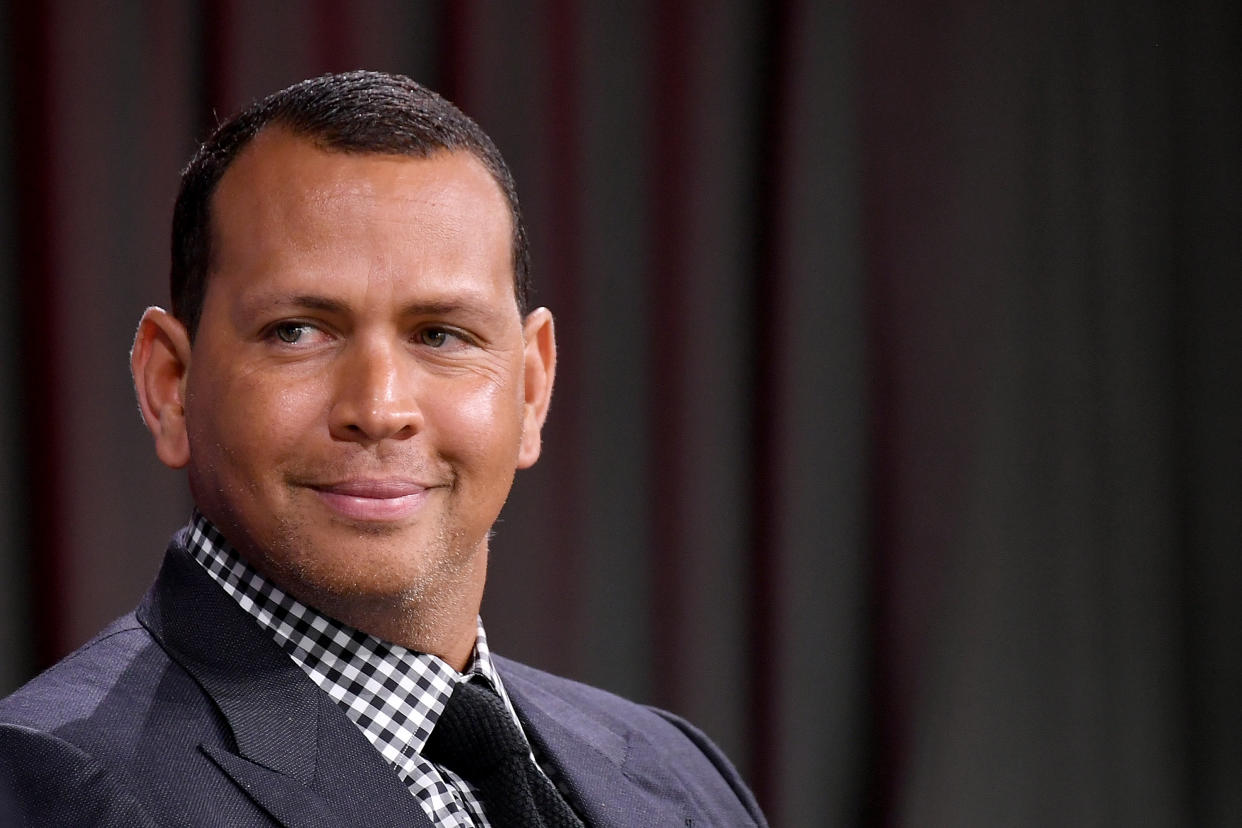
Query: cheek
{"x": 250, "y": 419}
{"x": 482, "y": 425}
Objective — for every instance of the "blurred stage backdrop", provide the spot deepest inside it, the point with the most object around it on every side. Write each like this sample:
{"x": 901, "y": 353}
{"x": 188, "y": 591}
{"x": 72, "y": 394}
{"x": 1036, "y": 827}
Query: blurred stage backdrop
{"x": 896, "y": 439}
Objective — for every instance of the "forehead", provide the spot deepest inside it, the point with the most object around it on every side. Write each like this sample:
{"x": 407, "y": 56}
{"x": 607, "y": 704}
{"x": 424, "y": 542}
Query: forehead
{"x": 279, "y": 168}
{"x": 285, "y": 197}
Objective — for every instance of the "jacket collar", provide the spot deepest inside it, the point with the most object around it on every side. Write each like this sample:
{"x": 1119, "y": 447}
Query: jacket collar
{"x": 296, "y": 753}
{"x": 301, "y": 759}
{"x": 615, "y": 776}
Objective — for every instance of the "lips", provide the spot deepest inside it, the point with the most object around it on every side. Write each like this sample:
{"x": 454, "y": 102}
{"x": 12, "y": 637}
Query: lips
{"x": 373, "y": 500}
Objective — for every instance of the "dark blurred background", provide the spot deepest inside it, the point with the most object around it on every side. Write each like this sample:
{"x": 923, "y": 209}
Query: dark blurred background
{"x": 896, "y": 440}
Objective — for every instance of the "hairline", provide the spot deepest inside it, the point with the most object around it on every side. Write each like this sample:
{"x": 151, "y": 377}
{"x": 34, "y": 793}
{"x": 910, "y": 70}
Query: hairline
{"x": 318, "y": 140}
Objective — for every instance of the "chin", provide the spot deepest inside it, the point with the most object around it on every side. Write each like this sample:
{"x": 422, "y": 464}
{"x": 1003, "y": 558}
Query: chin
{"x": 372, "y": 564}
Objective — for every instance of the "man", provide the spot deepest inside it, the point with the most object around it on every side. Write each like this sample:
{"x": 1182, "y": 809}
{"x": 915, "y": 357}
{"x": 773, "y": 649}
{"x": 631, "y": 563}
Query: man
{"x": 350, "y": 377}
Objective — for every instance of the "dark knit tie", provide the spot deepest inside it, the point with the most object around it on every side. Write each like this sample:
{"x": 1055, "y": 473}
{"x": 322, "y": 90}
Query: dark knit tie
{"x": 477, "y": 739}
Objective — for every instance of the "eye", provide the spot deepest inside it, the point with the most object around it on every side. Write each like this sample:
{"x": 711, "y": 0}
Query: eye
{"x": 297, "y": 333}
{"x": 289, "y": 332}
{"x": 434, "y": 337}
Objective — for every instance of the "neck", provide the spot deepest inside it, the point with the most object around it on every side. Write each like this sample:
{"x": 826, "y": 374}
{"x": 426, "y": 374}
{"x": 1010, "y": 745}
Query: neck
{"x": 442, "y": 623}
{"x": 437, "y": 614}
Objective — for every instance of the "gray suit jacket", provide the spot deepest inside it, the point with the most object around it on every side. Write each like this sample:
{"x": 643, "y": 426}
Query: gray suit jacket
{"x": 185, "y": 712}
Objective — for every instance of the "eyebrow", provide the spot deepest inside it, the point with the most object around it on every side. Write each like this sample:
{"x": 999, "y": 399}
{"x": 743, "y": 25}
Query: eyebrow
{"x": 312, "y": 302}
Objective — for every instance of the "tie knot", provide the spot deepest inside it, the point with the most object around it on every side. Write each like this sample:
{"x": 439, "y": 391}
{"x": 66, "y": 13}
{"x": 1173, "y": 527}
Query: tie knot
{"x": 475, "y": 732}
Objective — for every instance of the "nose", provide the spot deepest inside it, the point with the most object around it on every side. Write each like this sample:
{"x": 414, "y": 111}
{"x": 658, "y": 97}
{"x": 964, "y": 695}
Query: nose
{"x": 375, "y": 395}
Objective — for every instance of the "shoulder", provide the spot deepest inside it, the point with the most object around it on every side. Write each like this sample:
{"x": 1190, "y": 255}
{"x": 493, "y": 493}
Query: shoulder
{"x": 86, "y": 681}
{"x": 118, "y": 698}
{"x": 67, "y": 735}
{"x": 656, "y": 724}
{"x": 45, "y": 780}
{"x": 574, "y": 692}
{"x": 646, "y": 741}
{"x": 589, "y": 706}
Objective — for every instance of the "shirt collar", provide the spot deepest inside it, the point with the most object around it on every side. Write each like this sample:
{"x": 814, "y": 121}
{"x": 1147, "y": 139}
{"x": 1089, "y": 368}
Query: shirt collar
{"x": 393, "y": 694}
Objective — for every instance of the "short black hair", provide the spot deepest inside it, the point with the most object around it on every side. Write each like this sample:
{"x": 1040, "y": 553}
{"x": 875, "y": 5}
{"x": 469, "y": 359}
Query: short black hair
{"x": 351, "y": 112}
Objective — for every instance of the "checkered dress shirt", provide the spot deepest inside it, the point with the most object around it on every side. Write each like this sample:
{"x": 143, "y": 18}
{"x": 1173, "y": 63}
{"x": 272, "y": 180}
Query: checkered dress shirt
{"x": 394, "y": 695}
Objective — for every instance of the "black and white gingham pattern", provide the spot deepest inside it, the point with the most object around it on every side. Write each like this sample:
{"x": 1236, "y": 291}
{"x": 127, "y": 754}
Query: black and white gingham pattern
{"x": 392, "y": 694}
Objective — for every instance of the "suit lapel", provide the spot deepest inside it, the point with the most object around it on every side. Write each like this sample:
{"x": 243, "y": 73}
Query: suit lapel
{"x": 298, "y": 756}
{"x": 592, "y": 757}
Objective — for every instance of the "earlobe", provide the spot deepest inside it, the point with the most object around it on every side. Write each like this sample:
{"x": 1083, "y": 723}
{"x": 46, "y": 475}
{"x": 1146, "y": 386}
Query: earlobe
{"x": 539, "y": 371}
{"x": 160, "y": 364}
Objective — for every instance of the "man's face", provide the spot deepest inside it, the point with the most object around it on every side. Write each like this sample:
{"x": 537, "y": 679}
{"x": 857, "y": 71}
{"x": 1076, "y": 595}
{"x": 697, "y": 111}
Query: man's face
{"x": 355, "y": 403}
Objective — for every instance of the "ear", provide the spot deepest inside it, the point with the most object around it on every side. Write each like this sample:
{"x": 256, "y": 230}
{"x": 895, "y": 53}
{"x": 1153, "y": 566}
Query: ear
{"x": 540, "y": 370}
{"x": 160, "y": 364}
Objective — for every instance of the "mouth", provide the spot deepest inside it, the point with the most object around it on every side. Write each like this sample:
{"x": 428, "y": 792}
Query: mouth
{"x": 373, "y": 500}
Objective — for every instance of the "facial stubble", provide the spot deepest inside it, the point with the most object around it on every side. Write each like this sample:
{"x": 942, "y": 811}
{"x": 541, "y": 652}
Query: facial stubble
{"x": 405, "y": 595}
